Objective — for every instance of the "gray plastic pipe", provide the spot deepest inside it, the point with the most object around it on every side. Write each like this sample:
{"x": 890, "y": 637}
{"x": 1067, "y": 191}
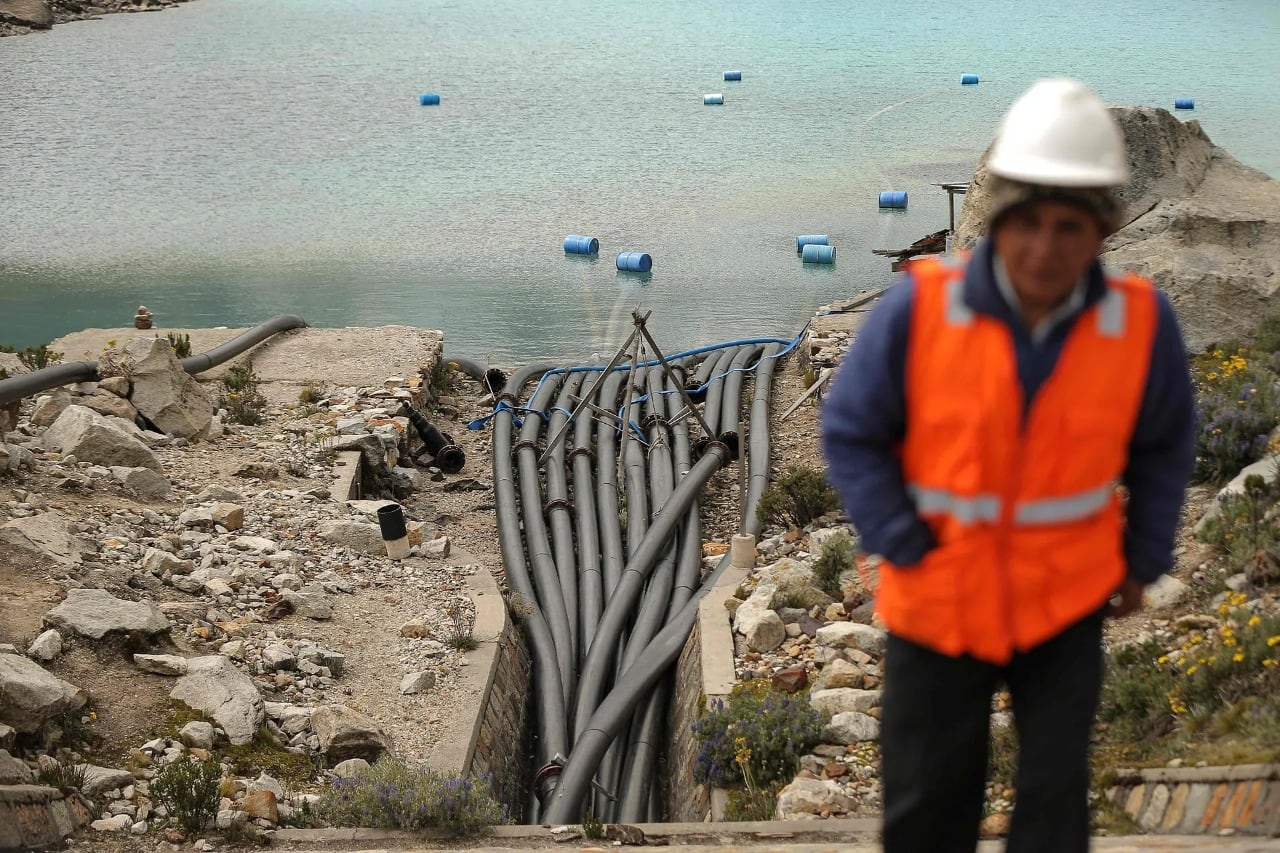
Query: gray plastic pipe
{"x": 617, "y": 708}
{"x": 548, "y": 691}
{"x": 619, "y": 607}
{"x": 559, "y": 518}
{"x": 536, "y": 538}
{"x": 491, "y": 378}
{"x": 731, "y": 408}
{"x": 611, "y": 552}
{"x": 28, "y": 384}
{"x": 590, "y": 582}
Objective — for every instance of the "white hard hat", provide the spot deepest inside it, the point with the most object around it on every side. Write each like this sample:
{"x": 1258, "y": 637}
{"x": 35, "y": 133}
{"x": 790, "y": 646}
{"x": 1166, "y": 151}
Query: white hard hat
{"x": 1059, "y": 133}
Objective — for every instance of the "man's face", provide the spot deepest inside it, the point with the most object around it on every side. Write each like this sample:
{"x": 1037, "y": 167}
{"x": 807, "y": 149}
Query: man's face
{"x": 1046, "y": 246}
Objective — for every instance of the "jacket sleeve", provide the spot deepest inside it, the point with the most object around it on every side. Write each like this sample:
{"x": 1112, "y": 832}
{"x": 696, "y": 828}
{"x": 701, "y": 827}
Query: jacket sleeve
{"x": 1161, "y": 454}
{"x": 863, "y": 419}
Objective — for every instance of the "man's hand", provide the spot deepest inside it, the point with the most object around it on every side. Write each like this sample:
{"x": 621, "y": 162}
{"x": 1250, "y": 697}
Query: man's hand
{"x": 1127, "y": 599}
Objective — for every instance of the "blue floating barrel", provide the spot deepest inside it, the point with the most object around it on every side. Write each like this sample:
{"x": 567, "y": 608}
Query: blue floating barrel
{"x": 635, "y": 261}
{"x": 1184, "y": 103}
{"x": 715, "y": 99}
{"x": 895, "y": 199}
{"x": 576, "y": 244}
{"x": 428, "y": 99}
{"x": 733, "y": 75}
{"x": 815, "y": 253}
{"x": 968, "y": 79}
{"x": 810, "y": 239}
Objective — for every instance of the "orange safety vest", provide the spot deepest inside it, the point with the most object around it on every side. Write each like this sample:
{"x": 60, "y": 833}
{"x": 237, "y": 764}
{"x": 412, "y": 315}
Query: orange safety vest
{"x": 1026, "y": 517}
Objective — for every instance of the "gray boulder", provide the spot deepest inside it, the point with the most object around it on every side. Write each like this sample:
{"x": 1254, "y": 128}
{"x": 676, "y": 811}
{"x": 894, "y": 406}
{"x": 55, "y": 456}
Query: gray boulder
{"x": 46, "y": 535}
{"x": 345, "y": 733}
{"x": 109, "y": 405}
{"x": 365, "y": 538}
{"x": 805, "y": 797}
{"x": 161, "y": 664}
{"x": 32, "y": 13}
{"x": 198, "y": 733}
{"x": 163, "y": 392}
{"x": 160, "y": 563}
{"x": 851, "y": 727}
{"x": 311, "y": 601}
{"x": 1202, "y": 225}
{"x": 350, "y": 767}
{"x": 46, "y": 647}
{"x": 839, "y": 700}
{"x": 31, "y": 696}
{"x": 91, "y": 437}
{"x": 838, "y": 673}
{"x": 225, "y": 694}
{"x": 143, "y": 483}
{"x": 14, "y": 457}
{"x": 13, "y": 771}
{"x": 95, "y": 613}
{"x": 49, "y": 406}
{"x": 853, "y": 635}
{"x": 760, "y": 625}
{"x": 100, "y": 780}
{"x": 794, "y": 584}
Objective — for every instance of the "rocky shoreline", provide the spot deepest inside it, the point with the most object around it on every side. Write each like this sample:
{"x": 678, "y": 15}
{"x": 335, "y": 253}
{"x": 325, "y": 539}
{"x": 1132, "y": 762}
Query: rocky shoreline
{"x": 22, "y": 17}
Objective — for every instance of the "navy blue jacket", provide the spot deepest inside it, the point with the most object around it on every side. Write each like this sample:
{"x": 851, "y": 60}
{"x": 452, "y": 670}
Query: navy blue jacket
{"x": 864, "y": 417}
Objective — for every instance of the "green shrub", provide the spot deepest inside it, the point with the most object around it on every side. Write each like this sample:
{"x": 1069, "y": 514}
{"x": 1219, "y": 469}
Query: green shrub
{"x": 34, "y": 358}
{"x": 64, "y": 777}
{"x": 797, "y": 497}
{"x": 393, "y": 795}
{"x": 757, "y": 736}
{"x": 188, "y": 789}
{"x": 458, "y": 633}
{"x": 1268, "y": 338}
{"x": 1237, "y": 407}
{"x": 181, "y": 344}
{"x": 241, "y": 398}
{"x": 838, "y": 555}
{"x": 1246, "y": 523}
{"x": 266, "y": 754}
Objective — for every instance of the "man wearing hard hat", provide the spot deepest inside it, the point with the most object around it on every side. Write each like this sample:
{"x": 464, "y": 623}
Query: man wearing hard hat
{"x": 977, "y": 433}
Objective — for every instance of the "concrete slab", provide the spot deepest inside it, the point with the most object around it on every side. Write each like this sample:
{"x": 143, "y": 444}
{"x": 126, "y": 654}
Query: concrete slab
{"x": 351, "y": 356}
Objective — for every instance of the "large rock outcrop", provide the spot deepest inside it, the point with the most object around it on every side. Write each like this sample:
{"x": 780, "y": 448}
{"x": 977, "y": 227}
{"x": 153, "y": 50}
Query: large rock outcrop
{"x": 1202, "y": 225}
{"x": 90, "y": 437}
{"x": 31, "y": 696}
{"x": 31, "y": 13}
{"x": 47, "y": 535}
{"x": 214, "y": 685}
{"x": 95, "y": 613}
{"x": 161, "y": 390}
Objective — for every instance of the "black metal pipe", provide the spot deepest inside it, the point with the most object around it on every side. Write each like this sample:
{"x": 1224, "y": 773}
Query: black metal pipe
{"x": 445, "y": 455}
{"x": 17, "y": 387}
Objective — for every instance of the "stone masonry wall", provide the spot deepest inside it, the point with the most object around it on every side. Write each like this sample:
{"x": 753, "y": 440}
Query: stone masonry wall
{"x": 502, "y": 747}
{"x": 686, "y": 800}
{"x": 1243, "y": 799}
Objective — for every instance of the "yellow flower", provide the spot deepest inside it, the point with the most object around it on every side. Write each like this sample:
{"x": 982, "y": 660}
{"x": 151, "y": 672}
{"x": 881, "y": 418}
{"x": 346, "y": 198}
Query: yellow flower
{"x": 1162, "y": 659}
{"x": 1192, "y": 669}
{"x": 1269, "y": 662}
{"x": 1229, "y": 642}
{"x": 1271, "y": 641}
{"x": 1238, "y": 657}
{"x": 1253, "y": 620}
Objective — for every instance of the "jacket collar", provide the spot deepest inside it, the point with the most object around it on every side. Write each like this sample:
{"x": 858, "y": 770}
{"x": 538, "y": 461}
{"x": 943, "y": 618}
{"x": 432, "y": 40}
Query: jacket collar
{"x": 982, "y": 294}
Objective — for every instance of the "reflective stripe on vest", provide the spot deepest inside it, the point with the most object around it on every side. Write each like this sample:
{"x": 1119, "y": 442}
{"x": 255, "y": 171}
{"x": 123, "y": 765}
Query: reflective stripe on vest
{"x": 965, "y": 509}
{"x": 1112, "y": 309}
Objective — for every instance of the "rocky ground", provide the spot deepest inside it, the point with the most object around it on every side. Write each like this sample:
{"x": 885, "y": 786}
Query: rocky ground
{"x": 214, "y": 569}
{"x": 20, "y": 17}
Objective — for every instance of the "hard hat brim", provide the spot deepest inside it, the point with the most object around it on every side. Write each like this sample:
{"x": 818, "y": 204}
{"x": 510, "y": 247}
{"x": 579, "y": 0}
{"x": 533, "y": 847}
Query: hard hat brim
{"x": 1035, "y": 170}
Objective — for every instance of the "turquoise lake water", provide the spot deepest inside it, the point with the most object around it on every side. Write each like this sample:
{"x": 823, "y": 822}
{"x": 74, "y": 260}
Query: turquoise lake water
{"x": 229, "y": 160}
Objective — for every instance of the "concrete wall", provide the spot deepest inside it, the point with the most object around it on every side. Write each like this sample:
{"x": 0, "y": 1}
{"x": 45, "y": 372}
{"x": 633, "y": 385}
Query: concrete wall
{"x": 501, "y": 745}
{"x": 1243, "y": 798}
{"x": 704, "y": 674}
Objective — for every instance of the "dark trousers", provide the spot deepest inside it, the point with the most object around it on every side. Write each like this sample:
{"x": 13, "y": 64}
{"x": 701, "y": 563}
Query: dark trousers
{"x": 934, "y": 740}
